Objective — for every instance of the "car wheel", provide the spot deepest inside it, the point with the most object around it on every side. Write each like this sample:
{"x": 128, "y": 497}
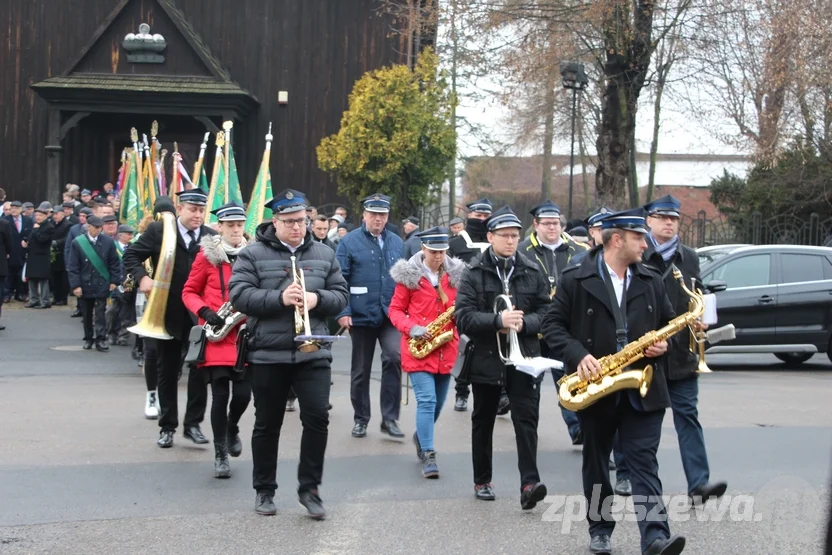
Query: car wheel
{"x": 794, "y": 358}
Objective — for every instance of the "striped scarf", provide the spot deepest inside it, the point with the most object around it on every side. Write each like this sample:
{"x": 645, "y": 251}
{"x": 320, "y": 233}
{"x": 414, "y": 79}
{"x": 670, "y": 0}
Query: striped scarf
{"x": 666, "y": 250}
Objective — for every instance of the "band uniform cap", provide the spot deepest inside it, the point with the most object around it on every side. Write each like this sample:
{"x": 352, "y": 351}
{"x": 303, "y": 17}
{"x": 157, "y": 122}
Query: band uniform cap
{"x": 230, "y": 212}
{"x": 667, "y": 205}
{"x": 629, "y": 220}
{"x": 193, "y": 196}
{"x": 87, "y": 211}
{"x": 411, "y": 220}
{"x": 435, "y": 238}
{"x": 595, "y": 219}
{"x": 288, "y": 201}
{"x": 124, "y": 228}
{"x": 44, "y": 207}
{"x": 110, "y": 218}
{"x": 547, "y": 209}
{"x": 483, "y": 205}
{"x": 16, "y": 204}
{"x": 502, "y": 218}
{"x": 456, "y": 221}
{"x": 86, "y": 192}
{"x": 95, "y": 221}
{"x": 377, "y": 203}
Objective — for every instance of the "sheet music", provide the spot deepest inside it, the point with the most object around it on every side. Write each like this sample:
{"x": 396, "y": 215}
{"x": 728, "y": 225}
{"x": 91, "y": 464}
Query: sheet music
{"x": 537, "y": 365}
{"x": 710, "y": 317}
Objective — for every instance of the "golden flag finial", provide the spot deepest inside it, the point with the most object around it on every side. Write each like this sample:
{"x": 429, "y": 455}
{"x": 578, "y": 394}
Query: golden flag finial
{"x": 221, "y": 139}
{"x": 134, "y": 135}
{"x": 154, "y": 128}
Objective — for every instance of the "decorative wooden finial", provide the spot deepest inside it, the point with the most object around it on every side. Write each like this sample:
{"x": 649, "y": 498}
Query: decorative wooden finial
{"x": 221, "y": 139}
{"x": 227, "y": 125}
{"x": 134, "y": 135}
{"x": 154, "y": 128}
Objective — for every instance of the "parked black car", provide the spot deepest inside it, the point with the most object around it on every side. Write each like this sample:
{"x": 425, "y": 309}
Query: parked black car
{"x": 779, "y": 298}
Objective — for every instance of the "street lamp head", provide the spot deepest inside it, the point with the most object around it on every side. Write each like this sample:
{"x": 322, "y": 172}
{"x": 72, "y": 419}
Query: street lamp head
{"x": 574, "y": 76}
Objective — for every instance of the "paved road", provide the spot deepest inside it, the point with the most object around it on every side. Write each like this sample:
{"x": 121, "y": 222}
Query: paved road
{"x": 80, "y": 472}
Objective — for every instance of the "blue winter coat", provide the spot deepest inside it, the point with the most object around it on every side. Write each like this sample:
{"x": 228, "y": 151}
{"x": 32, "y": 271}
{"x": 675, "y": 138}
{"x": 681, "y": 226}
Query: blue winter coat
{"x": 366, "y": 267}
{"x": 82, "y": 274}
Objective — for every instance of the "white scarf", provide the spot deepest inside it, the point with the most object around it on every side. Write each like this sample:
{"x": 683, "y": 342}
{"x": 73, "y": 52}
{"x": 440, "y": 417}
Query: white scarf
{"x": 230, "y": 250}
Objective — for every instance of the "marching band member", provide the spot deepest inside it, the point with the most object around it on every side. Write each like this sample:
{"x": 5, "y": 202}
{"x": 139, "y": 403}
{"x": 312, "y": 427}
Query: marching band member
{"x": 665, "y": 250}
{"x": 426, "y": 289}
{"x": 266, "y": 287}
{"x": 366, "y": 255}
{"x": 178, "y": 321}
{"x": 497, "y": 271}
{"x": 552, "y": 251}
{"x": 205, "y": 292}
{"x": 611, "y": 298}
{"x": 464, "y": 245}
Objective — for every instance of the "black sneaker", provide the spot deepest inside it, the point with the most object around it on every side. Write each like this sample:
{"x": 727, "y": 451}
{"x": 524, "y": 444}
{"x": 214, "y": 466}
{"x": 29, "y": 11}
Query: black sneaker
{"x": 165, "y": 439}
{"x": 313, "y": 504}
{"x": 264, "y": 504}
{"x": 461, "y": 404}
{"x": 532, "y": 495}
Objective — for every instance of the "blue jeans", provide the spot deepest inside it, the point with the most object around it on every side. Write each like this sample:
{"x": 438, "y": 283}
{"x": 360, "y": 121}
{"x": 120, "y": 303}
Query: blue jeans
{"x": 683, "y": 399}
{"x": 569, "y": 417}
{"x": 430, "y": 391}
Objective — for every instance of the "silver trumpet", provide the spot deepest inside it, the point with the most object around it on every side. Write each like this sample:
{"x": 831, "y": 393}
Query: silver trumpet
{"x": 232, "y": 319}
{"x": 514, "y": 355}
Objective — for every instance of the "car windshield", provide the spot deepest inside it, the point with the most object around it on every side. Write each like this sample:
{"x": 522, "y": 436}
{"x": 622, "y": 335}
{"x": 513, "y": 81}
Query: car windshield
{"x": 708, "y": 257}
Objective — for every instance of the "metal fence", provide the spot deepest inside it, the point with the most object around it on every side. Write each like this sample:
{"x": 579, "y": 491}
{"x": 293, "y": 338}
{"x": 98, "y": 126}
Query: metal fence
{"x": 701, "y": 231}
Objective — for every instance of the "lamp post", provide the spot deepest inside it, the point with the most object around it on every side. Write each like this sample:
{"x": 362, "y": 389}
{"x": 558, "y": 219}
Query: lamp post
{"x": 574, "y": 77}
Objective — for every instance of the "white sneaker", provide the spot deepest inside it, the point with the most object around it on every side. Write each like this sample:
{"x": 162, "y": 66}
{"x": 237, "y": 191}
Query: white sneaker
{"x": 151, "y": 409}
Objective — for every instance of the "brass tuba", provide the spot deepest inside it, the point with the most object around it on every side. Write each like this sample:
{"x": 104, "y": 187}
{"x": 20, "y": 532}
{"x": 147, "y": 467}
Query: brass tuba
{"x": 302, "y": 325}
{"x": 152, "y": 323}
{"x": 576, "y": 394}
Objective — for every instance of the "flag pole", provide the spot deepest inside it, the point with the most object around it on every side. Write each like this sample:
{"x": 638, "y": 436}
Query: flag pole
{"x": 227, "y": 125}
{"x": 199, "y": 161}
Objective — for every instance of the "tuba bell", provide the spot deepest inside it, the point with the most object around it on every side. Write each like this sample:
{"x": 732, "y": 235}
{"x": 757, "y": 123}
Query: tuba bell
{"x": 152, "y": 323}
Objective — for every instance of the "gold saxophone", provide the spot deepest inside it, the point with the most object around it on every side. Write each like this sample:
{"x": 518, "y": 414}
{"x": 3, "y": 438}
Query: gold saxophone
{"x": 421, "y": 347}
{"x": 576, "y": 394}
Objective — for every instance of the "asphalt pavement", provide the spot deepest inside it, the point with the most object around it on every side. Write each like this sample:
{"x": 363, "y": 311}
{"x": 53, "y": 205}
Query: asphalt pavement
{"x": 80, "y": 471}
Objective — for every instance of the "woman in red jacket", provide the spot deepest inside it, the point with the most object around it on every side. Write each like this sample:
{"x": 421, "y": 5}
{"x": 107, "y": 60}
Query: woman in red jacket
{"x": 425, "y": 288}
{"x": 204, "y": 293}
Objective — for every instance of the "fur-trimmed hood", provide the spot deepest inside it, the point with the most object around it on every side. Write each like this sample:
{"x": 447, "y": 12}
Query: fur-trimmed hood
{"x": 409, "y": 272}
{"x": 213, "y": 250}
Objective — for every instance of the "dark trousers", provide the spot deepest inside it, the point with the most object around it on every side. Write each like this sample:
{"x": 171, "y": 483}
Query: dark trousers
{"x": 640, "y": 433}
{"x": 14, "y": 284}
{"x": 60, "y": 285}
{"x": 151, "y": 361}
{"x": 524, "y": 395}
{"x": 270, "y": 384}
{"x": 224, "y": 417}
{"x": 2, "y": 291}
{"x": 363, "y": 348}
{"x": 93, "y": 310}
{"x": 118, "y": 314}
{"x": 683, "y": 398}
{"x": 170, "y": 362}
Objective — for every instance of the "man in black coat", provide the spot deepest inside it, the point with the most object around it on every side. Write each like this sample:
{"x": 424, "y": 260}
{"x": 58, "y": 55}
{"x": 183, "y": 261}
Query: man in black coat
{"x": 94, "y": 271}
{"x": 665, "y": 251}
{"x": 189, "y": 230}
{"x": 21, "y": 227}
{"x": 5, "y": 253}
{"x": 39, "y": 259}
{"x": 468, "y": 244}
{"x": 502, "y": 270}
{"x": 77, "y": 229}
{"x": 600, "y": 306}
{"x": 60, "y": 282}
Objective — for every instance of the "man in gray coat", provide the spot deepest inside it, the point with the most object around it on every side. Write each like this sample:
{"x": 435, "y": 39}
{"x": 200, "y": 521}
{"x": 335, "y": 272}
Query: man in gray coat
{"x": 265, "y": 287}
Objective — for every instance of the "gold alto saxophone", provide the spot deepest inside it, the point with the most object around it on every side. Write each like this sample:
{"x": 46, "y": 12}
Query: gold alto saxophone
{"x": 232, "y": 319}
{"x": 576, "y": 394}
{"x": 423, "y": 346}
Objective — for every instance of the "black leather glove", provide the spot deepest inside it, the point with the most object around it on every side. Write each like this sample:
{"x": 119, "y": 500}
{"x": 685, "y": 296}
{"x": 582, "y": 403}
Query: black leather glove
{"x": 210, "y": 316}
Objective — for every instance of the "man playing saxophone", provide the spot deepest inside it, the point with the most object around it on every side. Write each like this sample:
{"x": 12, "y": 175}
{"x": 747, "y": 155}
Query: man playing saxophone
{"x": 601, "y": 305}
{"x": 267, "y": 285}
{"x": 422, "y": 310}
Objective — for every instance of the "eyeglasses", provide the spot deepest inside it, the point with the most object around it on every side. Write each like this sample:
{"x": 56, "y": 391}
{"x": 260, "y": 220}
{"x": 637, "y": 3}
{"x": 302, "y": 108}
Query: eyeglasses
{"x": 548, "y": 224}
{"x": 508, "y": 236}
{"x": 300, "y": 222}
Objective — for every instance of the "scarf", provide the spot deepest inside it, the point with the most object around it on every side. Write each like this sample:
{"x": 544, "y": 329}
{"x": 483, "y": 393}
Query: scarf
{"x": 231, "y": 251}
{"x": 667, "y": 250}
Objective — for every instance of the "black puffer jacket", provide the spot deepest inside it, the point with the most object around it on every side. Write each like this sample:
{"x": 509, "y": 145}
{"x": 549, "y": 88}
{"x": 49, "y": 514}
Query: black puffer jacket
{"x": 262, "y": 272}
{"x": 475, "y": 316}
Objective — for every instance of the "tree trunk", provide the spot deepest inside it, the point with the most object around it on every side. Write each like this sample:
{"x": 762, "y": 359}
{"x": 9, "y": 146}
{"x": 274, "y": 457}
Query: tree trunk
{"x": 454, "y": 54}
{"x": 654, "y": 144}
{"x": 548, "y": 134}
{"x": 613, "y": 147}
{"x": 584, "y": 159}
